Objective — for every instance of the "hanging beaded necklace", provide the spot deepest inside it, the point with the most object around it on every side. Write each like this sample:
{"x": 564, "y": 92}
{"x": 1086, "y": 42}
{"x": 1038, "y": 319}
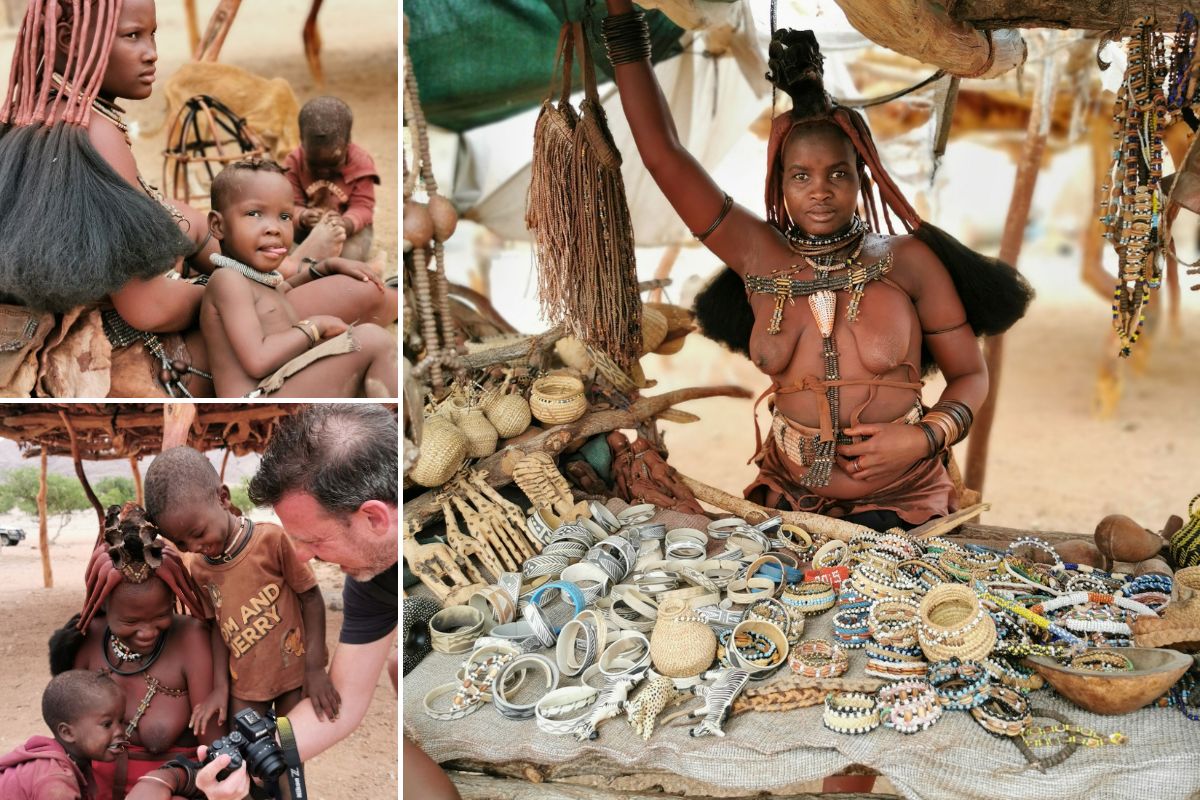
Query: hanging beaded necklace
{"x": 114, "y": 647}
{"x": 1132, "y": 207}
{"x": 831, "y": 275}
{"x": 270, "y": 279}
{"x": 805, "y": 245}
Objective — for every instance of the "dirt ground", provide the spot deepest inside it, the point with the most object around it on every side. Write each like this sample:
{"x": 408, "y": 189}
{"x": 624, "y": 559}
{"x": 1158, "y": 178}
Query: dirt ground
{"x": 359, "y": 58}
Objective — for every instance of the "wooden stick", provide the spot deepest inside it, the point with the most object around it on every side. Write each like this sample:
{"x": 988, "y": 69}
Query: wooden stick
{"x": 993, "y": 535}
{"x": 1010, "y": 251}
{"x": 499, "y": 465}
{"x": 87, "y": 487}
{"x": 43, "y": 537}
{"x": 482, "y": 305}
{"x": 525, "y": 347}
{"x": 939, "y": 526}
{"x": 137, "y": 480}
{"x": 813, "y": 523}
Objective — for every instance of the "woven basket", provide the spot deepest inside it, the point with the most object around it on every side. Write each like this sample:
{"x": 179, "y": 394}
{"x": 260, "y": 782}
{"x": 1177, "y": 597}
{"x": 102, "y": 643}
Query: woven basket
{"x": 443, "y": 451}
{"x": 1185, "y": 544}
{"x": 654, "y": 330}
{"x": 481, "y": 435}
{"x": 682, "y": 645}
{"x": 454, "y": 407}
{"x": 509, "y": 414}
{"x": 946, "y": 607}
{"x": 574, "y": 354}
{"x": 558, "y": 399}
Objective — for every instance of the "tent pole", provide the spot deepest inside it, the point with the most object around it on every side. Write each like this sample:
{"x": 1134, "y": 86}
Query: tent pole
{"x": 137, "y": 481}
{"x": 43, "y": 537}
{"x": 1010, "y": 250}
{"x": 87, "y": 487}
{"x": 225, "y": 463}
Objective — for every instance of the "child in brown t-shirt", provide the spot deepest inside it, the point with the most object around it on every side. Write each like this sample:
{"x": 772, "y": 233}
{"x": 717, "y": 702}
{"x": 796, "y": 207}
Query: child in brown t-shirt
{"x": 269, "y": 637}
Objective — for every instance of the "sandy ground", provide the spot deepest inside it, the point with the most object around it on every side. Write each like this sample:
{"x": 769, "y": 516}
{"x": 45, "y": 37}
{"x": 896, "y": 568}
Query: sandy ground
{"x": 359, "y": 58}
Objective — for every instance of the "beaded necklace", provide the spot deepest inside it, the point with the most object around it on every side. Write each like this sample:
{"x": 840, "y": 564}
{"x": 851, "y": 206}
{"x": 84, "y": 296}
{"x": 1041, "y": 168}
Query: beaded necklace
{"x": 269, "y": 279}
{"x": 1132, "y": 208}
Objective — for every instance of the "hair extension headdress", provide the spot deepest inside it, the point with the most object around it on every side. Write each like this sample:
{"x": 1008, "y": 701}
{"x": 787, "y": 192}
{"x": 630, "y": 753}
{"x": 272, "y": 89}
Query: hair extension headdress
{"x": 133, "y": 552}
{"x": 72, "y": 230}
{"x": 993, "y": 293}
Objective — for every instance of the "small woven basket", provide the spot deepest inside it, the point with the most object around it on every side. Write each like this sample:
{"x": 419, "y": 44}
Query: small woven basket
{"x": 654, "y": 329}
{"x": 443, "y": 451}
{"x": 509, "y": 414}
{"x": 574, "y": 354}
{"x": 682, "y": 645}
{"x": 481, "y": 435}
{"x": 558, "y": 399}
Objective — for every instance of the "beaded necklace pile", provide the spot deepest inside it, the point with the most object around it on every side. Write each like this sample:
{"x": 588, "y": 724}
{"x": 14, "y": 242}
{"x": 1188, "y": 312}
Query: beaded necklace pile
{"x": 831, "y": 275}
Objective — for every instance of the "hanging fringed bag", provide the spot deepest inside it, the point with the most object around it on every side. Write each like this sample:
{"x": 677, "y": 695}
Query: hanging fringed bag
{"x": 587, "y": 276}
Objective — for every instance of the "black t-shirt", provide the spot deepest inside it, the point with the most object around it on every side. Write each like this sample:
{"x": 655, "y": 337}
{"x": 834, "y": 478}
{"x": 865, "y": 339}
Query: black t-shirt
{"x": 371, "y": 607}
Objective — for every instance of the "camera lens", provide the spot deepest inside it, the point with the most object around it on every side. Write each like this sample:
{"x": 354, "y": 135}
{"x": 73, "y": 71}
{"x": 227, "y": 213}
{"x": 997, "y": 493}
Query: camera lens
{"x": 265, "y": 759}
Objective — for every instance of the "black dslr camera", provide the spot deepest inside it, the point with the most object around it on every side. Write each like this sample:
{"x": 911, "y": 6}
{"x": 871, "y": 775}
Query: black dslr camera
{"x": 252, "y": 741}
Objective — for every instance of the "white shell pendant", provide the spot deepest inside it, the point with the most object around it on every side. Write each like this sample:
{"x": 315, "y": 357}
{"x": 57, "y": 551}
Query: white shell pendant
{"x": 824, "y": 308}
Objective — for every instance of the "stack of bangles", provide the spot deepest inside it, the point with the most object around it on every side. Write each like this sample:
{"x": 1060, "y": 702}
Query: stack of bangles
{"x": 909, "y": 706}
{"x": 959, "y": 685}
{"x": 810, "y": 597}
{"x": 851, "y": 713}
{"x": 949, "y": 417}
{"x": 954, "y": 624}
{"x": 1038, "y": 620}
{"x": 816, "y": 658}
{"x": 506, "y": 684}
{"x": 757, "y": 646}
{"x": 850, "y": 629}
{"x": 893, "y": 622}
{"x": 1003, "y": 712}
{"x": 626, "y": 37}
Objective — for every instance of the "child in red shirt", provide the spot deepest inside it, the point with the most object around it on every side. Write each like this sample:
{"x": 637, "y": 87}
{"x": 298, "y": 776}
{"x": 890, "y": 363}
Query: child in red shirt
{"x": 332, "y": 177}
{"x": 84, "y": 710}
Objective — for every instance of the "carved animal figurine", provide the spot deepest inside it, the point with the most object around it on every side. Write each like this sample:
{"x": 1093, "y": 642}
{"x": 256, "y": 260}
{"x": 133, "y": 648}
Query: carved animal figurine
{"x": 608, "y": 704}
{"x": 481, "y": 529}
{"x": 491, "y": 512}
{"x": 511, "y": 510}
{"x": 464, "y": 547}
{"x": 643, "y": 710}
{"x": 718, "y": 700}
{"x": 437, "y": 567}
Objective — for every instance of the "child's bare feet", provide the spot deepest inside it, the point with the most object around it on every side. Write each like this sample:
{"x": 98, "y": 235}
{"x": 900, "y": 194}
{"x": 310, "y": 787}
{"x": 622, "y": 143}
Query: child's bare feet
{"x": 324, "y": 241}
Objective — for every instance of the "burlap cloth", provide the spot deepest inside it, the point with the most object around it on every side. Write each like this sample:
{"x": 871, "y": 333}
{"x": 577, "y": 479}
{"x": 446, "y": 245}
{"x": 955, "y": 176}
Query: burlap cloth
{"x": 955, "y": 758}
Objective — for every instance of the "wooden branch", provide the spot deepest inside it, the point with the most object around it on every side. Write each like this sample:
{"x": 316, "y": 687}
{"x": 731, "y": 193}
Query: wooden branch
{"x": 813, "y": 523}
{"x": 940, "y": 526}
{"x": 993, "y": 535}
{"x": 139, "y": 495}
{"x": 499, "y": 465}
{"x": 525, "y": 347}
{"x": 87, "y": 487}
{"x": 22, "y": 422}
{"x": 43, "y": 538}
{"x": 1079, "y": 14}
{"x": 922, "y": 30}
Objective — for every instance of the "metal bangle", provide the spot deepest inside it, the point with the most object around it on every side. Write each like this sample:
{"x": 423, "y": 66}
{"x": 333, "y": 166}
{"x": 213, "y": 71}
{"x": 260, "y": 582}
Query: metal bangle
{"x": 637, "y": 514}
{"x": 559, "y": 711}
{"x": 458, "y": 712}
{"x": 573, "y": 634}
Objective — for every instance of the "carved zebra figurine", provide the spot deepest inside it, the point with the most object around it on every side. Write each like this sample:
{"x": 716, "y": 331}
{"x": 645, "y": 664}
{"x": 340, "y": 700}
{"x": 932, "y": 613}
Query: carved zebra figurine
{"x": 608, "y": 704}
{"x": 718, "y": 699}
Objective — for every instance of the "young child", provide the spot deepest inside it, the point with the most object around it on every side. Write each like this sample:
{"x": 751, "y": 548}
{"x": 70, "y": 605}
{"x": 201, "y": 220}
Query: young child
{"x": 332, "y": 177}
{"x": 84, "y": 711}
{"x": 269, "y": 637}
{"x": 257, "y": 345}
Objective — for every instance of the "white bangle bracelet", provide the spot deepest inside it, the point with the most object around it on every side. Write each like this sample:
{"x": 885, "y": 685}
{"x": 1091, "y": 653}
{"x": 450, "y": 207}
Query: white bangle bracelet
{"x": 628, "y": 654}
{"x": 562, "y": 710}
{"x": 522, "y": 663}
{"x": 576, "y": 633}
{"x": 455, "y": 628}
{"x": 636, "y": 515}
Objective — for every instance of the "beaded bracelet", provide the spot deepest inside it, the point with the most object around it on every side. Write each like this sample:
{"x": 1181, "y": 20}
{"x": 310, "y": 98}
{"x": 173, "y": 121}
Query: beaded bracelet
{"x": 909, "y": 706}
{"x": 817, "y": 658}
{"x": 810, "y": 597}
{"x": 776, "y": 613}
{"x": 954, "y": 624}
{"x": 1004, "y": 712}
{"x": 894, "y": 622}
{"x": 456, "y": 711}
{"x": 851, "y": 599}
{"x": 960, "y": 685}
{"x": 1036, "y": 544}
{"x": 851, "y": 713}
{"x": 767, "y": 651}
{"x": 1096, "y": 598}
{"x": 850, "y": 629}
{"x": 833, "y": 553}
{"x": 1024, "y": 681}
{"x": 1037, "y": 619}
{"x": 1102, "y": 661}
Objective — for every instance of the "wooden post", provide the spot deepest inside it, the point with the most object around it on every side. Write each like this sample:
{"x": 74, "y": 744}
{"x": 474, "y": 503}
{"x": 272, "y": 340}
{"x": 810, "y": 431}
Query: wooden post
{"x": 225, "y": 463}
{"x": 1010, "y": 250}
{"x": 137, "y": 481}
{"x": 218, "y": 28}
{"x": 193, "y": 26}
{"x": 87, "y": 487}
{"x": 177, "y": 423}
{"x": 43, "y": 537}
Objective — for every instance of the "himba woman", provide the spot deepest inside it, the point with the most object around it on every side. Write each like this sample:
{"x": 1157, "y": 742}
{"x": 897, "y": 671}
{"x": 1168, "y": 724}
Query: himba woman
{"x": 78, "y": 224}
{"x": 128, "y": 628}
{"x": 844, "y": 319}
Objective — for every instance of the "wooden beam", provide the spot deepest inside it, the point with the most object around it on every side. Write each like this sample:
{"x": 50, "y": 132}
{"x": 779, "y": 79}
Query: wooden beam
{"x": 1010, "y": 251}
{"x": 994, "y": 535}
{"x": 1093, "y": 15}
{"x": 43, "y": 537}
{"x": 83, "y": 480}
{"x": 177, "y": 424}
{"x": 150, "y": 419}
{"x": 225, "y": 463}
{"x": 924, "y": 31}
{"x": 137, "y": 480}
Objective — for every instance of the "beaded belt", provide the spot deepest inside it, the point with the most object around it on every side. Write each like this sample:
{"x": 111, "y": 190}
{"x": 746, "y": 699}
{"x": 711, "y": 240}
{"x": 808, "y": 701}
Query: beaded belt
{"x": 799, "y": 442}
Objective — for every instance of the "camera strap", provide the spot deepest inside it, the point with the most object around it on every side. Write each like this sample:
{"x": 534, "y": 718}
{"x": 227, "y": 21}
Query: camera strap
{"x": 291, "y": 756}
